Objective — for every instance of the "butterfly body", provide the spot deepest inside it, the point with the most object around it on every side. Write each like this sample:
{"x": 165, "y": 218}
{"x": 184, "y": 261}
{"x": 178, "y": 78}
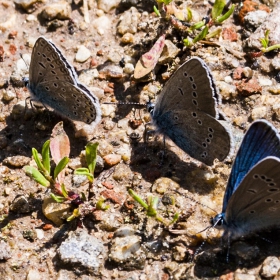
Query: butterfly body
{"x": 54, "y": 83}
{"x": 186, "y": 112}
{"x": 252, "y": 197}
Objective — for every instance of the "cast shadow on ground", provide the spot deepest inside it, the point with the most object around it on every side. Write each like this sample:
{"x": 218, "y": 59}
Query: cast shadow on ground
{"x": 248, "y": 253}
{"x": 23, "y": 135}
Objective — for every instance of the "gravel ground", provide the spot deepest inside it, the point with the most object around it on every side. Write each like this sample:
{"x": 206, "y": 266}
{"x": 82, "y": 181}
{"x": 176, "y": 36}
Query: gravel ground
{"x": 103, "y": 40}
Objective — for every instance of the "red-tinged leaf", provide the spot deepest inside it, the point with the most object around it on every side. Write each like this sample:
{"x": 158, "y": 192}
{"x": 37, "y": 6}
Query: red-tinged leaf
{"x": 60, "y": 144}
{"x": 148, "y": 61}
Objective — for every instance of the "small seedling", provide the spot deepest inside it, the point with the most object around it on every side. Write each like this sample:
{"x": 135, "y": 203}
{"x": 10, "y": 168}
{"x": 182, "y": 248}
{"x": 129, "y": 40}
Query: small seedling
{"x": 217, "y": 18}
{"x": 151, "y": 208}
{"x": 91, "y": 154}
{"x": 265, "y": 43}
{"x": 59, "y": 148}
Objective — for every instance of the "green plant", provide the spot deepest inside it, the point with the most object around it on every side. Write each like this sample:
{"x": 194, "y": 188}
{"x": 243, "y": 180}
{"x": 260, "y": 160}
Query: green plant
{"x": 265, "y": 43}
{"x": 217, "y": 18}
{"x": 151, "y": 208}
{"x": 59, "y": 148}
{"x": 91, "y": 153}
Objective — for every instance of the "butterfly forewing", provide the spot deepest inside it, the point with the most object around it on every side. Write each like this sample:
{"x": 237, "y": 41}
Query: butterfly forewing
{"x": 255, "y": 205}
{"x": 260, "y": 141}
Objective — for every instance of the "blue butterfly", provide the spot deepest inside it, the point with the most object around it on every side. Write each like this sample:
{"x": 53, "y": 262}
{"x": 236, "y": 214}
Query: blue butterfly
{"x": 252, "y": 197}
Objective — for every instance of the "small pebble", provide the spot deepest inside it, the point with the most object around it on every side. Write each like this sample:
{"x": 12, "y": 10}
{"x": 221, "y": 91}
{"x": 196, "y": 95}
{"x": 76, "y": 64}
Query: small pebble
{"x": 127, "y": 38}
{"x": 129, "y": 21}
{"x": 30, "y": 18}
{"x": 102, "y": 24}
{"x": 270, "y": 267}
{"x": 16, "y": 161}
{"x": 33, "y": 274}
{"x": 83, "y": 54}
{"x": 104, "y": 148}
{"x": 111, "y": 160}
{"x": 82, "y": 250}
{"x": 8, "y": 24}
{"x": 58, "y": 10}
{"x": 128, "y": 68}
{"x": 56, "y": 212}
{"x": 20, "y": 205}
{"x": 107, "y": 5}
{"x": 259, "y": 113}
{"x": 108, "y": 110}
{"x": 8, "y": 95}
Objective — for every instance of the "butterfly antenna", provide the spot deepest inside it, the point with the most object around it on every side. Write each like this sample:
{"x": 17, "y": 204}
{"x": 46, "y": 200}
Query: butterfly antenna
{"x": 136, "y": 104}
{"x": 21, "y": 56}
{"x": 228, "y": 248}
{"x": 263, "y": 238}
{"x": 194, "y": 200}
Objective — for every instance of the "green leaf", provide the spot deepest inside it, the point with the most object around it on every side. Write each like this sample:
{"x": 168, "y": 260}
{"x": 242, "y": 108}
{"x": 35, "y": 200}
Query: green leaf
{"x": 64, "y": 191}
{"x": 91, "y": 153}
{"x": 218, "y": 8}
{"x": 46, "y": 156}
{"x": 226, "y": 15}
{"x": 84, "y": 171}
{"x": 75, "y": 214}
{"x": 100, "y": 205}
{"x": 201, "y": 35}
{"x": 57, "y": 198}
{"x": 187, "y": 42}
{"x": 38, "y": 160}
{"x": 189, "y": 14}
{"x": 152, "y": 206}
{"x": 197, "y": 25}
{"x": 61, "y": 165}
{"x": 156, "y": 11}
{"x": 36, "y": 175}
{"x": 81, "y": 171}
{"x": 137, "y": 198}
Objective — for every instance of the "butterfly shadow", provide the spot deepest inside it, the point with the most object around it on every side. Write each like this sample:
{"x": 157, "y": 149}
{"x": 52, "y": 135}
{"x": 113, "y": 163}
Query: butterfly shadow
{"x": 217, "y": 259}
{"x": 24, "y": 134}
{"x": 154, "y": 160}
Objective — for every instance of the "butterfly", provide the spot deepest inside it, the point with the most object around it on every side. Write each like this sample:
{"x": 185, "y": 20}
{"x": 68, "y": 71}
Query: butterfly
{"x": 186, "y": 112}
{"x": 252, "y": 197}
{"x": 54, "y": 83}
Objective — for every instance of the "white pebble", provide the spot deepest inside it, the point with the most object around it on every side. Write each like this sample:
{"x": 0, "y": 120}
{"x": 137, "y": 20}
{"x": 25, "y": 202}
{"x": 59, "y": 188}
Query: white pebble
{"x": 259, "y": 113}
{"x": 30, "y": 18}
{"x": 128, "y": 68}
{"x": 265, "y": 81}
{"x": 82, "y": 54}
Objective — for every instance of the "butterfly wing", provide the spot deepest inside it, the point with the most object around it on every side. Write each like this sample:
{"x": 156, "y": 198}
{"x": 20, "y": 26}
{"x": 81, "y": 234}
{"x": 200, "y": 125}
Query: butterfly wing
{"x": 47, "y": 64}
{"x": 260, "y": 141}
{"x": 191, "y": 86}
{"x": 70, "y": 100}
{"x": 255, "y": 205}
{"x": 186, "y": 112}
{"x": 202, "y": 137}
{"x": 53, "y": 82}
